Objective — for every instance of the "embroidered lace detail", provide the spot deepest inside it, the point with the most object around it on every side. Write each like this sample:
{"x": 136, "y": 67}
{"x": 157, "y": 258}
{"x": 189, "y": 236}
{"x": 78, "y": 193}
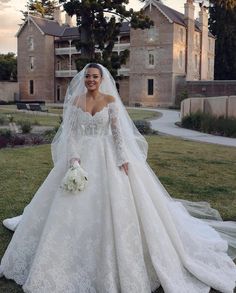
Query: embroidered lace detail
{"x": 117, "y": 134}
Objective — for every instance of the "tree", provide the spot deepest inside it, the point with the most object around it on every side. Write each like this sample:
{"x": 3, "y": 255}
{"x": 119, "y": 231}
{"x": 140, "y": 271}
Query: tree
{"x": 99, "y": 24}
{"x": 222, "y": 24}
{"x": 8, "y": 67}
{"x": 44, "y": 8}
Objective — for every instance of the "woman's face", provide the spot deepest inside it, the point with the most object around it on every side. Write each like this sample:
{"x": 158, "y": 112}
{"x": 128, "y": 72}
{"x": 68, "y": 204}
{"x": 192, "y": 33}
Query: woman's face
{"x": 93, "y": 79}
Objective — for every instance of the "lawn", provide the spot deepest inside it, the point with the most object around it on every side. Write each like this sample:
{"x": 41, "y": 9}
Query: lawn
{"x": 189, "y": 170}
{"x": 46, "y": 120}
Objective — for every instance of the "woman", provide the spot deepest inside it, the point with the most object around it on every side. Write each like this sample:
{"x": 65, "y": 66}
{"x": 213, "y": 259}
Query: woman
{"x": 122, "y": 233}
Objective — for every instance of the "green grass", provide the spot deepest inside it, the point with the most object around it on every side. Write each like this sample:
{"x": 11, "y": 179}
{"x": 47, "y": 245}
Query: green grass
{"x": 137, "y": 114}
{"x": 43, "y": 120}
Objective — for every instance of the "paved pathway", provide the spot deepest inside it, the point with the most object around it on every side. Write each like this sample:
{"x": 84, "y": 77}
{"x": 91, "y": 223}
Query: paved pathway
{"x": 166, "y": 125}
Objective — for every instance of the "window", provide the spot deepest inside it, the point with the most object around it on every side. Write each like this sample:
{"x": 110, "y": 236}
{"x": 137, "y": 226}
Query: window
{"x": 196, "y": 61}
{"x": 151, "y": 58}
{"x": 150, "y": 87}
{"x": 58, "y": 65}
{"x": 181, "y": 34}
{"x": 32, "y": 63}
{"x": 152, "y": 34}
{"x": 209, "y": 44}
{"x": 181, "y": 59}
{"x": 197, "y": 40}
{"x": 209, "y": 65}
{"x": 31, "y": 87}
{"x": 31, "y": 43}
{"x": 58, "y": 92}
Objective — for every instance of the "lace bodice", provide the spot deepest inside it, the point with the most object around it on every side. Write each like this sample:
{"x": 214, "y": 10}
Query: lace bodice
{"x": 102, "y": 123}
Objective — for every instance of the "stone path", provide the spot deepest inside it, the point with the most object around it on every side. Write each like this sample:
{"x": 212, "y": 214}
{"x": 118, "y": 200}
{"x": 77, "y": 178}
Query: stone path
{"x": 166, "y": 125}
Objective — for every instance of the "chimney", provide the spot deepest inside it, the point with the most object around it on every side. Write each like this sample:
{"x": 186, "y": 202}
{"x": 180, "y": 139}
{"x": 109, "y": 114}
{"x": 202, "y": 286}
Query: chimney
{"x": 203, "y": 20}
{"x": 190, "y": 23}
{"x": 69, "y": 20}
{"x": 57, "y": 15}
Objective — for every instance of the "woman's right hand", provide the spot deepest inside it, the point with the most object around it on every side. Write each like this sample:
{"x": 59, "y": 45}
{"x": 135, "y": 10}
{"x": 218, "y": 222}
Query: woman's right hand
{"x": 74, "y": 160}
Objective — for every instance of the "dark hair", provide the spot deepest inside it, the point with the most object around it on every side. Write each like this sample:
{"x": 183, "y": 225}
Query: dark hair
{"x": 95, "y": 65}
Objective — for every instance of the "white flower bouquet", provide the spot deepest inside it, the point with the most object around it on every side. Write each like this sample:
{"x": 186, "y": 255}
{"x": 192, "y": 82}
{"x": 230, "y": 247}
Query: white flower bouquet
{"x": 75, "y": 178}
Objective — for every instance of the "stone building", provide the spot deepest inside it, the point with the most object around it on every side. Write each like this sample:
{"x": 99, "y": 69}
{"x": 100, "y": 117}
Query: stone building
{"x": 177, "y": 48}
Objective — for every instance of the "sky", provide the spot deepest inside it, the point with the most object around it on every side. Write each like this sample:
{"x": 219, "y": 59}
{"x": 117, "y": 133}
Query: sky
{"x": 10, "y": 16}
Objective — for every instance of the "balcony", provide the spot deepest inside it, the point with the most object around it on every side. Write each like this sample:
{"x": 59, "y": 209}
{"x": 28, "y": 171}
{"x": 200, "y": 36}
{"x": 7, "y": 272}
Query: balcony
{"x": 121, "y": 47}
{"x": 123, "y": 71}
{"x": 66, "y": 51}
{"x": 65, "y": 73}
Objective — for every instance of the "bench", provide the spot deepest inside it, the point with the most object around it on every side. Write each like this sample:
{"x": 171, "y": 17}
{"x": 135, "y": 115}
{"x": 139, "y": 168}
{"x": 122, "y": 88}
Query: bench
{"x": 22, "y": 106}
{"x": 37, "y": 107}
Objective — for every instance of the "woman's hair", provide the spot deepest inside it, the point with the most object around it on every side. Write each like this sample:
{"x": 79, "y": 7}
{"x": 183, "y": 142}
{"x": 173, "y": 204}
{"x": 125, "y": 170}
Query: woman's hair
{"x": 95, "y": 65}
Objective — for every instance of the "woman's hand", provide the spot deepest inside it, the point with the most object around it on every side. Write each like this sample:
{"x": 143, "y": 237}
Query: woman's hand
{"x": 125, "y": 168}
{"x": 74, "y": 160}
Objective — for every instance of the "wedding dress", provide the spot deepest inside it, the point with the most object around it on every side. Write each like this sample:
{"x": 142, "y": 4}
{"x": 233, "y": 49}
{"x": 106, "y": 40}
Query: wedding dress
{"x": 122, "y": 234}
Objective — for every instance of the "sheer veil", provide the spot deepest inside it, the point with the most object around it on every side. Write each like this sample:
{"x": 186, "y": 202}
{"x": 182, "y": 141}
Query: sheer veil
{"x": 134, "y": 141}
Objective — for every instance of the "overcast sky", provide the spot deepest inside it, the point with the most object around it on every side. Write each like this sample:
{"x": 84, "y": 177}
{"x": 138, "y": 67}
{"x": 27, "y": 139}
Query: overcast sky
{"x": 10, "y": 16}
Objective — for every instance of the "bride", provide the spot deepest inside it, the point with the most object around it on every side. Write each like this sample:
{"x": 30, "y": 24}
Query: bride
{"x": 123, "y": 233}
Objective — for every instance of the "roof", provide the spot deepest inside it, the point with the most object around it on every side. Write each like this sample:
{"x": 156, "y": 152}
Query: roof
{"x": 45, "y": 26}
{"x": 53, "y": 28}
{"x": 172, "y": 15}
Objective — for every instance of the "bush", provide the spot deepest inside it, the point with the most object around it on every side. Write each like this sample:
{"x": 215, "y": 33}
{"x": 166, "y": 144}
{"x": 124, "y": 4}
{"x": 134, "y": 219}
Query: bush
{"x": 10, "y": 117}
{"x": 181, "y": 96}
{"x": 26, "y": 126}
{"x": 17, "y": 140}
{"x": 2, "y": 120}
{"x": 144, "y": 127}
{"x": 3, "y": 141}
{"x": 6, "y": 133}
{"x": 210, "y": 124}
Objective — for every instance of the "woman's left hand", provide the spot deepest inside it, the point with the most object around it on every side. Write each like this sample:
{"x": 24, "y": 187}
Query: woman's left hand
{"x": 125, "y": 168}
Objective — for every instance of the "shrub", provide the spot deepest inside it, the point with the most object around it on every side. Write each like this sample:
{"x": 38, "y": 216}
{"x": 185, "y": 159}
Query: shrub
{"x": 180, "y": 97}
{"x": 144, "y": 127}
{"x": 3, "y": 141}
{"x": 210, "y": 124}
{"x": 26, "y": 126}
{"x": 6, "y": 133}
{"x": 37, "y": 139}
{"x": 10, "y": 117}
{"x": 17, "y": 140}
{"x": 2, "y": 120}
{"x": 49, "y": 134}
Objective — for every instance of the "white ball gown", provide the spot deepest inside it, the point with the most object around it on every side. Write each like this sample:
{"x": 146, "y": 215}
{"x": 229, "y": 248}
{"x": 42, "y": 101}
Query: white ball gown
{"x": 122, "y": 234}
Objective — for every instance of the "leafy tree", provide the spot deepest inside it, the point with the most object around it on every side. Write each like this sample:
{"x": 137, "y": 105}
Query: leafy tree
{"x": 8, "y": 66}
{"x": 99, "y": 24}
{"x": 44, "y": 8}
{"x": 222, "y": 24}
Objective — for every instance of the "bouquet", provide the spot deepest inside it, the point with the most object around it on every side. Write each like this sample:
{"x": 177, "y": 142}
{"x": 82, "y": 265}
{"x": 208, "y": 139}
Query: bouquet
{"x": 75, "y": 178}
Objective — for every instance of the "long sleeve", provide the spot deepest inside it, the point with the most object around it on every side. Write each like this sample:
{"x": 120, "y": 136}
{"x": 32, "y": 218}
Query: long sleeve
{"x": 73, "y": 151}
{"x": 121, "y": 156}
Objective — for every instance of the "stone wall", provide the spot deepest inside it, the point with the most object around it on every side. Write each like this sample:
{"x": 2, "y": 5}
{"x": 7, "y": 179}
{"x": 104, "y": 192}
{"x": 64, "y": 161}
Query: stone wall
{"x": 9, "y": 91}
{"x": 208, "y": 88}
{"x": 216, "y": 106}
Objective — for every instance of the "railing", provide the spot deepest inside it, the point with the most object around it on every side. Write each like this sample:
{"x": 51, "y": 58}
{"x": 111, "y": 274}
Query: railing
{"x": 72, "y": 50}
{"x": 123, "y": 71}
{"x": 66, "y": 51}
{"x": 121, "y": 46}
{"x": 65, "y": 73}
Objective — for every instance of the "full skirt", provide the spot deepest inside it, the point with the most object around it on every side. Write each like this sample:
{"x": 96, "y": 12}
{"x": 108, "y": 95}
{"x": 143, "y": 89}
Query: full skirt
{"x": 122, "y": 234}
